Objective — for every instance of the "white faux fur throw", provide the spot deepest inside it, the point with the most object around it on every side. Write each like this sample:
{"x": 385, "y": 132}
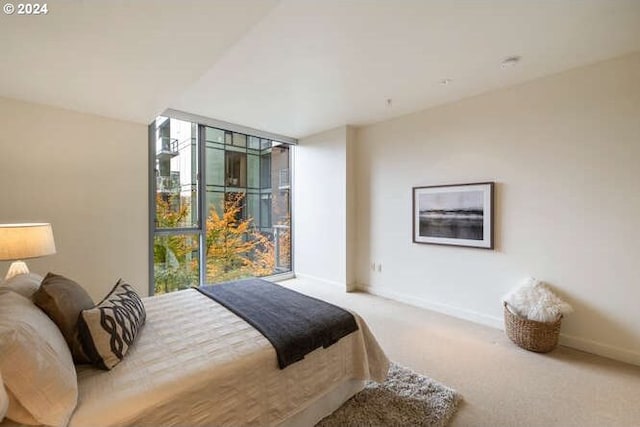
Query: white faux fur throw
{"x": 534, "y": 300}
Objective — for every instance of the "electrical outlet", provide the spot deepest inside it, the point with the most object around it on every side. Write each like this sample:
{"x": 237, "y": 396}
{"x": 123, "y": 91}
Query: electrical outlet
{"x": 380, "y": 268}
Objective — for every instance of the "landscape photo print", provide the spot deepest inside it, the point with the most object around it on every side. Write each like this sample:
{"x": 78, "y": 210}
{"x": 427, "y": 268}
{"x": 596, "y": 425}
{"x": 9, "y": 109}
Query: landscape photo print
{"x": 460, "y": 215}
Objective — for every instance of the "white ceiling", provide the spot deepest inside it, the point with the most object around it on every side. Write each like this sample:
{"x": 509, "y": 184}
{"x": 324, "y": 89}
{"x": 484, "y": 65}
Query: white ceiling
{"x": 118, "y": 58}
{"x": 297, "y": 67}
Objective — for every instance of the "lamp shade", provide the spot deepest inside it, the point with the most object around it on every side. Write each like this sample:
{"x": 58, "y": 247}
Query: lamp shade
{"x": 22, "y": 241}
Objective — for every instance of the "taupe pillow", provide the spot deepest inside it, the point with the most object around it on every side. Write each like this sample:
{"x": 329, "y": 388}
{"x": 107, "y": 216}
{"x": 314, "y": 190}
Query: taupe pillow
{"x": 62, "y": 300}
{"x": 37, "y": 369}
{"x": 109, "y": 329}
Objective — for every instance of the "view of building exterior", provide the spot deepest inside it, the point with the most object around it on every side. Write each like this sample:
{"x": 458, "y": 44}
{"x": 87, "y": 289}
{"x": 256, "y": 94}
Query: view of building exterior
{"x": 241, "y": 173}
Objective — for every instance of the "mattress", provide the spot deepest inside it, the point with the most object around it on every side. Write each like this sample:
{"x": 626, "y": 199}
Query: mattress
{"x": 197, "y": 363}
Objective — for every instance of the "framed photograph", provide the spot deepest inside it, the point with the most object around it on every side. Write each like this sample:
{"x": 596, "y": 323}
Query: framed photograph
{"x": 459, "y": 215}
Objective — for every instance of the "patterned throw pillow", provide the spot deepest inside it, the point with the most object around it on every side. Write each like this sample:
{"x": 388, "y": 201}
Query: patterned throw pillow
{"x": 109, "y": 329}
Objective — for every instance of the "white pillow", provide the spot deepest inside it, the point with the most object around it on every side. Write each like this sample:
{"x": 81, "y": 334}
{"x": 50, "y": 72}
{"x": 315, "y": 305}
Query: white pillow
{"x": 4, "y": 400}
{"x": 24, "y": 284}
{"x": 36, "y": 365}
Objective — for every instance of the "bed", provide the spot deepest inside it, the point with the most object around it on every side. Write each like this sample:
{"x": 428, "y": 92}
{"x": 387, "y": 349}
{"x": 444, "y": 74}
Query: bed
{"x": 197, "y": 363}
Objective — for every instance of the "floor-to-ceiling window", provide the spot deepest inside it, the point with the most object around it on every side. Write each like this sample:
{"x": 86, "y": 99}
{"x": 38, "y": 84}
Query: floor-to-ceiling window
{"x": 176, "y": 219}
{"x": 221, "y": 205}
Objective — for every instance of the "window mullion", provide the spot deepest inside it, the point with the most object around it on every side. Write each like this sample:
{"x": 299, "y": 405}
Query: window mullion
{"x": 202, "y": 194}
{"x": 175, "y": 231}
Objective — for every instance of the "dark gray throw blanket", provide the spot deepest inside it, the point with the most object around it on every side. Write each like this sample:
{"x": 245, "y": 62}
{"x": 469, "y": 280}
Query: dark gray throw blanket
{"x": 295, "y": 324}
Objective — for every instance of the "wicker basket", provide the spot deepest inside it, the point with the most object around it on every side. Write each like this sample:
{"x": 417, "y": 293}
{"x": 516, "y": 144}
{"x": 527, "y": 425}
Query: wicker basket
{"x": 529, "y": 334}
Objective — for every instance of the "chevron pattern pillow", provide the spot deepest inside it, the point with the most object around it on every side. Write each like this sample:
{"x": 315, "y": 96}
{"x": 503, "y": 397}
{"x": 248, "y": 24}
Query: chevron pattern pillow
{"x": 110, "y": 328}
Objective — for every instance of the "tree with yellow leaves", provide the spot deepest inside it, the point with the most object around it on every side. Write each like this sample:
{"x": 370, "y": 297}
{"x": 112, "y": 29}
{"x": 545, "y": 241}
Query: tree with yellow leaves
{"x": 234, "y": 248}
{"x": 175, "y": 266}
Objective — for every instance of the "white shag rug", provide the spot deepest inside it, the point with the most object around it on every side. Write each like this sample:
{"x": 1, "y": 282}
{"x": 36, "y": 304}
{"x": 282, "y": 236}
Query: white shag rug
{"x": 406, "y": 398}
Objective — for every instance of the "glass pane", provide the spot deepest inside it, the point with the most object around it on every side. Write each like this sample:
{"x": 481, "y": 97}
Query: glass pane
{"x": 234, "y": 249}
{"x": 265, "y": 211}
{"x": 238, "y": 201}
{"x": 240, "y": 140}
{"x": 253, "y": 171}
{"x": 214, "y": 135}
{"x": 254, "y": 143}
{"x": 214, "y": 201}
{"x": 247, "y": 232}
{"x": 236, "y": 169}
{"x": 236, "y": 149}
{"x": 253, "y": 208}
{"x": 280, "y": 166}
{"x": 176, "y": 171}
{"x": 265, "y": 171}
{"x": 175, "y": 262}
{"x": 215, "y": 166}
{"x": 282, "y": 240}
{"x": 281, "y": 206}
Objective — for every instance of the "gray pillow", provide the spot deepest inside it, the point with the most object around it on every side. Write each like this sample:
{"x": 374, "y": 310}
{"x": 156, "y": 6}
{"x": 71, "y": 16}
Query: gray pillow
{"x": 110, "y": 328}
{"x": 62, "y": 300}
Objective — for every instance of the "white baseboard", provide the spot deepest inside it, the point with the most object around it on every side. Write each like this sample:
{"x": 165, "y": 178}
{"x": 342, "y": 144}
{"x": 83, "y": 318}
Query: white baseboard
{"x": 473, "y": 316}
{"x": 578, "y": 343}
{"x": 342, "y": 286}
{"x": 600, "y": 349}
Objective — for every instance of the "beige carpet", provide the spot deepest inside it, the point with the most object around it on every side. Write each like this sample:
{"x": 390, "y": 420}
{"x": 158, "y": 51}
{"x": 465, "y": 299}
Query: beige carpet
{"x": 502, "y": 385}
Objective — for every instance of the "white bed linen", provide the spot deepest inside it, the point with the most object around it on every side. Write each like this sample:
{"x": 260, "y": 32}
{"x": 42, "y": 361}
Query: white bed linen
{"x": 196, "y": 363}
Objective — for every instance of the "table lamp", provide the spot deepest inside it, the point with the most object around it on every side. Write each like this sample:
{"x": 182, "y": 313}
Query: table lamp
{"x": 22, "y": 241}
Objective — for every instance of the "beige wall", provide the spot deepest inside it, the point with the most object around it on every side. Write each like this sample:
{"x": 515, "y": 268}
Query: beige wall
{"x": 565, "y": 154}
{"x": 87, "y": 176}
{"x": 323, "y": 244}
{"x": 351, "y": 218}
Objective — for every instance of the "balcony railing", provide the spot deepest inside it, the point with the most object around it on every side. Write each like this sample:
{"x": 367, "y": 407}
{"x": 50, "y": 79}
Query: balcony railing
{"x": 167, "y": 147}
{"x": 283, "y": 263}
{"x": 284, "y": 181}
{"x": 168, "y": 184}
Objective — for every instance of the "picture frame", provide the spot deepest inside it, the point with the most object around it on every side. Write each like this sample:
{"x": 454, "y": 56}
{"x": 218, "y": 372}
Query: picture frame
{"x": 454, "y": 215}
